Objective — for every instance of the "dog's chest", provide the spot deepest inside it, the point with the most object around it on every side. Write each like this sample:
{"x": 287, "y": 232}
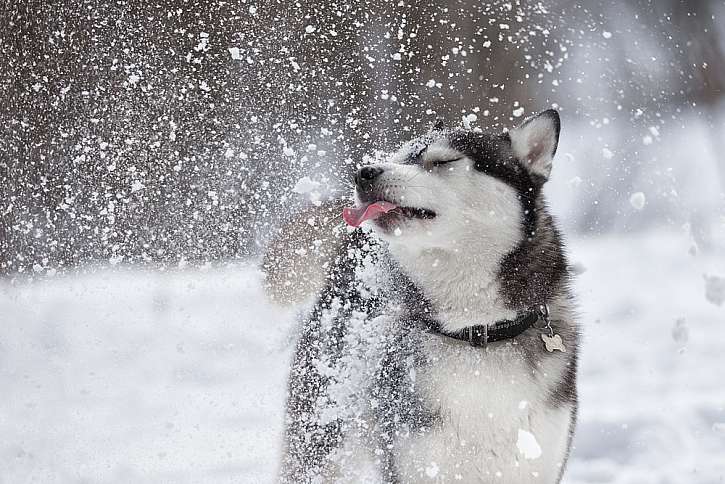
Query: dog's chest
{"x": 461, "y": 291}
{"x": 493, "y": 420}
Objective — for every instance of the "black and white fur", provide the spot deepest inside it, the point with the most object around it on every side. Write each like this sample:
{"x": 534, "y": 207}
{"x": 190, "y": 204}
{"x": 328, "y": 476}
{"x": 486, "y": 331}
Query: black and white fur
{"x": 373, "y": 396}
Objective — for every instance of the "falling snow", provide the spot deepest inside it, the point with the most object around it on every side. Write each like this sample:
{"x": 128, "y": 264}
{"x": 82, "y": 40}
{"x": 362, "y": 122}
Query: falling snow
{"x": 637, "y": 200}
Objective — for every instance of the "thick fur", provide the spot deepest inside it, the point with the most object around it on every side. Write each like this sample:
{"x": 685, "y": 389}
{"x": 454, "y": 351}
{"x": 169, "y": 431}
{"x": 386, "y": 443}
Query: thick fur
{"x": 373, "y": 396}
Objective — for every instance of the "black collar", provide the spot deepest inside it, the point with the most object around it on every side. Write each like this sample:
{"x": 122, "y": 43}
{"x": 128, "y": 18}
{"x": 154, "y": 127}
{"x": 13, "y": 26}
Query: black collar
{"x": 482, "y": 334}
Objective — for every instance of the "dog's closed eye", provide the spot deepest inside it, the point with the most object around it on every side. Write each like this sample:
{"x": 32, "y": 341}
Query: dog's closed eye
{"x": 433, "y": 163}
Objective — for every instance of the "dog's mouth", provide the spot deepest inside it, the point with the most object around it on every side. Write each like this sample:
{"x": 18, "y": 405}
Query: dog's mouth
{"x": 383, "y": 210}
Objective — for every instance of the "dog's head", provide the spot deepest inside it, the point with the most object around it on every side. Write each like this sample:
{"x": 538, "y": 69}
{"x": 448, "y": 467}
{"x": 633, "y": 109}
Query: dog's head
{"x": 457, "y": 188}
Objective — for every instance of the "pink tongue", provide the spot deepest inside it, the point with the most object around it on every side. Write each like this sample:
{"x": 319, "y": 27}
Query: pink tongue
{"x": 356, "y": 215}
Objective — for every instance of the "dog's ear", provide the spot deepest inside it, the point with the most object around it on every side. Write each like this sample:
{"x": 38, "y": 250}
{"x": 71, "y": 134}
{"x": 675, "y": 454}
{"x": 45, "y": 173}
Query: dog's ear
{"x": 534, "y": 141}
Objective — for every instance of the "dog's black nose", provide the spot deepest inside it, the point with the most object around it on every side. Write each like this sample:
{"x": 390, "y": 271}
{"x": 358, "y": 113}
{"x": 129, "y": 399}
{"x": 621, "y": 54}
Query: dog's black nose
{"x": 367, "y": 174}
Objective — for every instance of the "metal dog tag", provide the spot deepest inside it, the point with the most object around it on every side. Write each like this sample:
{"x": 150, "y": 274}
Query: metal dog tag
{"x": 553, "y": 343}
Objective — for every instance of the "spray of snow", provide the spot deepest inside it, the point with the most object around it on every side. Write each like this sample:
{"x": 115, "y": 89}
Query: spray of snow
{"x": 235, "y": 53}
{"x": 432, "y": 470}
{"x": 305, "y": 185}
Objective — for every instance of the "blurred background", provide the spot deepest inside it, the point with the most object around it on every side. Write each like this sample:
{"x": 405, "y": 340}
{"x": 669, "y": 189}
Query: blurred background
{"x": 149, "y": 150}
{"x": 155, "y": 132}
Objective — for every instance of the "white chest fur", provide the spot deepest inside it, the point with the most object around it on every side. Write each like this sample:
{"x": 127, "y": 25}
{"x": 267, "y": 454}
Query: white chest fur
{"x": 462, "y": 287}
{"x": 494, "y": 422}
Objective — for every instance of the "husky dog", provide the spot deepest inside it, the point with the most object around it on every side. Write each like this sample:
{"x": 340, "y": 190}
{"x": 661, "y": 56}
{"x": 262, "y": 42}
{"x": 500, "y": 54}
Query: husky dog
{"x": 443, "y": 345}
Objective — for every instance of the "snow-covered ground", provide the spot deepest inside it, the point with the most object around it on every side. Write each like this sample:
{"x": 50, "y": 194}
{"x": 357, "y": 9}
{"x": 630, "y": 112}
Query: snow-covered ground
{"x": 133, "y": 376}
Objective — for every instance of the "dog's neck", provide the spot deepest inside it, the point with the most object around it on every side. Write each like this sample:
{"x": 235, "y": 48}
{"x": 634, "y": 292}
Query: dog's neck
{"x": 461, "y": 283}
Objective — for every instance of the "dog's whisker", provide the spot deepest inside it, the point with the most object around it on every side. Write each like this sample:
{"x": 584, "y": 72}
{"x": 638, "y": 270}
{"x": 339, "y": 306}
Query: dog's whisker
{"x": 412, "y": 177}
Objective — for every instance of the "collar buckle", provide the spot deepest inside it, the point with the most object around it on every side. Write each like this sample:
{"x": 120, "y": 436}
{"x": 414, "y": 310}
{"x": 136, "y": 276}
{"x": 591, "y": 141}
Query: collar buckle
{"x": 482, "y": 342}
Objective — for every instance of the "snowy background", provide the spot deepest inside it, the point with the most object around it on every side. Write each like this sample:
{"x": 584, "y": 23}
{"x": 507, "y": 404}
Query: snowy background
{"x": 149, "y": 151}
{"x": 139, "y": 376}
